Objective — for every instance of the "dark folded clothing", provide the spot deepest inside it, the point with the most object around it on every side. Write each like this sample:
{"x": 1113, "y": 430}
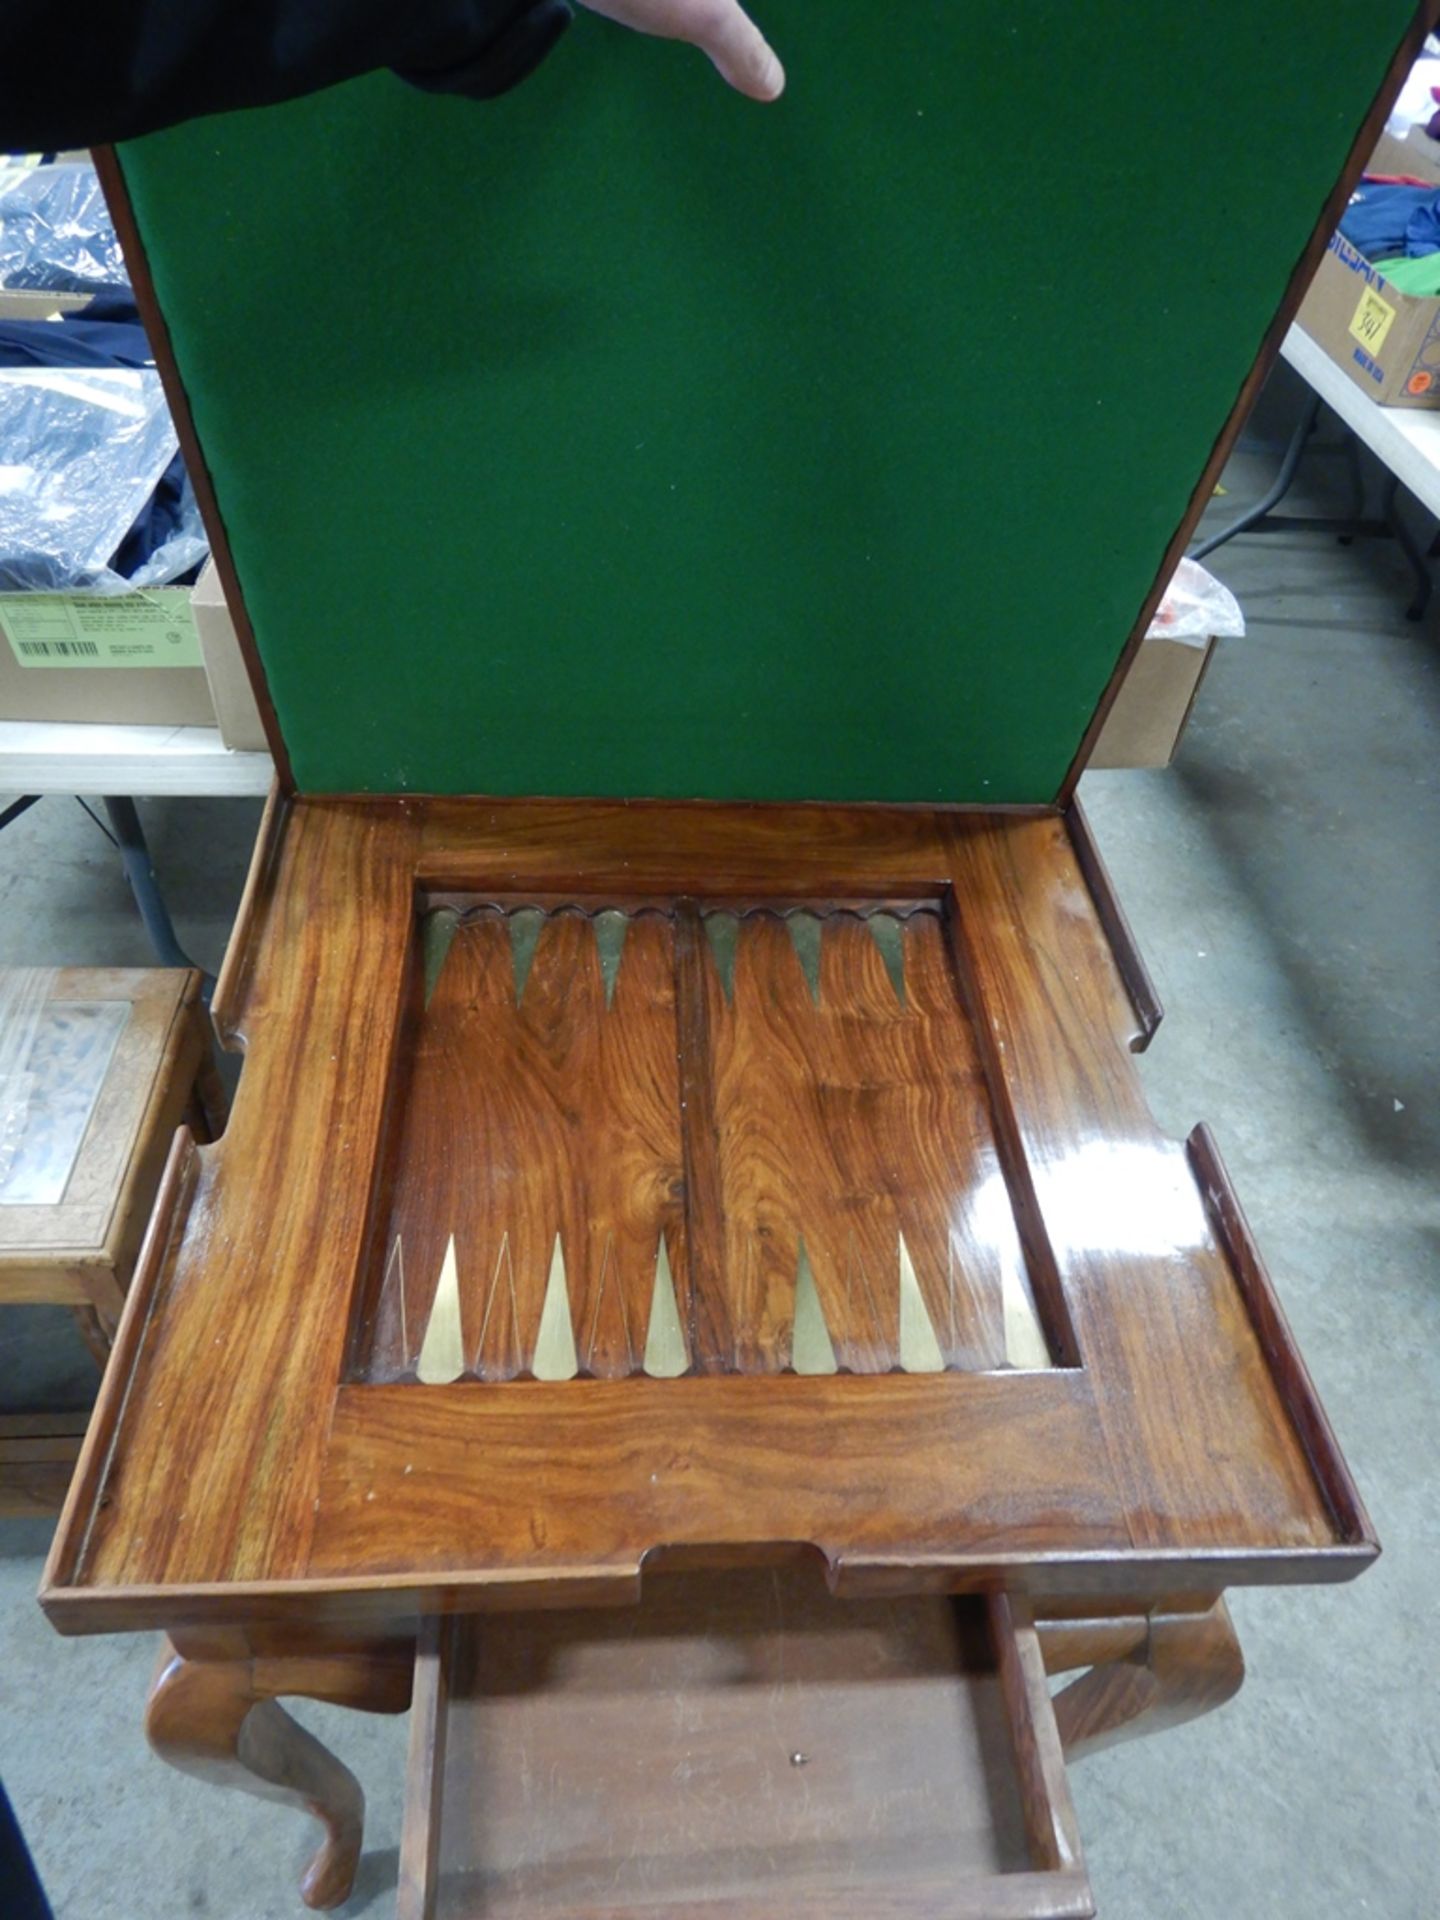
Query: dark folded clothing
{"x": 133, "y": 66}
{"x": 106, "y": 333}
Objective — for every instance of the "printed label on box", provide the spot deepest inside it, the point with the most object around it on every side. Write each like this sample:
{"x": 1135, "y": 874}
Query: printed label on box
{"x": 132, "y": 630}
{"x": 1374, "y": 318}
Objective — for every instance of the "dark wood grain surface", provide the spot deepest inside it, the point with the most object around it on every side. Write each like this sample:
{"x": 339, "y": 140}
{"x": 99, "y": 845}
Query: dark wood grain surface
{"x": 766, "y": 1135}
{"x": 989, "y": 1122}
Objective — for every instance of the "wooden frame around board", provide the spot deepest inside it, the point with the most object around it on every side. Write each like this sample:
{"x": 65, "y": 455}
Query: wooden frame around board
{"x": 1172, "y": 1445}
{"x": 113, "y": 181}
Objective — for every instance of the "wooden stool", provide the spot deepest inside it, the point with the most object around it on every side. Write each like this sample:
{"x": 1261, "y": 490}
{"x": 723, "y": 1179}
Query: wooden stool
{"x": 121, "y": 1056}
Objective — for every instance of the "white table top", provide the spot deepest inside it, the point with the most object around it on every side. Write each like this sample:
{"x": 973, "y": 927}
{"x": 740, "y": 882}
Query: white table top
{"x": 1406, "y": 439}
{"x": 48, "y": 756}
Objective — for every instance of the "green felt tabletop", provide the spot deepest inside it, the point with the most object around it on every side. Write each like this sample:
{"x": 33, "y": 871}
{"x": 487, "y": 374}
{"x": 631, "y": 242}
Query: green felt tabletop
{"x": 625, "y": 437}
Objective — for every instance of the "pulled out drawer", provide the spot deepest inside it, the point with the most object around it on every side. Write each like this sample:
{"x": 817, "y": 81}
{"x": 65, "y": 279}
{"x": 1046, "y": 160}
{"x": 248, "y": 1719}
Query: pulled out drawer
{"x": 739, "y": 1746}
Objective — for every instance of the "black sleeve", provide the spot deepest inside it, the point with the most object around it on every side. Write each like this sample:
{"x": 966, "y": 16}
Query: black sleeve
{"x": 104, "y": 70}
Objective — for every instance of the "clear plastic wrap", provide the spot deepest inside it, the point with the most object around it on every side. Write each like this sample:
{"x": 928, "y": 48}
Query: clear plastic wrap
{"x": 1196, "y": 606}
{"x": 56, "y": 235}
{"x": 81, "y": 452}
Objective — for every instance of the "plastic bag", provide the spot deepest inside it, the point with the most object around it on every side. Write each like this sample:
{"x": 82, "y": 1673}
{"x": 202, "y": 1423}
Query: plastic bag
{"x": 56, "y": 235}
{"x": 1415, "y": 103}
{"x": 81, "y": 452}
{"x": 1196, "y": 606}
{"x": 183, "y": 551}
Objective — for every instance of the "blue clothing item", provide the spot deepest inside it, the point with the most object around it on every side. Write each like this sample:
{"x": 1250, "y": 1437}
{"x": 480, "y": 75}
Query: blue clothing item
{"x": 1383, "y": 221}
{"x": 106, "y": 333}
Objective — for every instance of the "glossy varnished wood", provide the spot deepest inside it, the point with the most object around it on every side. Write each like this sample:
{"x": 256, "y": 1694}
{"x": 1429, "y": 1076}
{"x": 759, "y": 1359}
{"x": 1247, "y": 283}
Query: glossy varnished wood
{"x": 542, "y": 1137}
{"x": 684, "y": 1139}
{"x": 1171, "y": 1449}
{"x": 1189, "y": 1403}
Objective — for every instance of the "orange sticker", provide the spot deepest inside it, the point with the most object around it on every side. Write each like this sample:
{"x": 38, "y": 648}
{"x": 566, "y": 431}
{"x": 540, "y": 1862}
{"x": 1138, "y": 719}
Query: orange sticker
{"x": 1420, "y": 383}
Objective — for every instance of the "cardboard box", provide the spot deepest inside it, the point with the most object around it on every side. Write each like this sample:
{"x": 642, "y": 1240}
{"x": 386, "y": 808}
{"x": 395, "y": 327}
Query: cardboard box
{"x": 1151, "y": 710}
{"x": 18, "y": 303}
{"x": 1417, "y": 155}
{"x": 1387, "y": 341}
{"x": 230, "y": 688}
{"x": 124, "y": 658}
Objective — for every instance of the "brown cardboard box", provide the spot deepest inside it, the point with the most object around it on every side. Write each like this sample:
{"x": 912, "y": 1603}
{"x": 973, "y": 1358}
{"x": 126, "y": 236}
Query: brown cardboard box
{"x": 1387, "y": 341}
{"x": 1416, "y": 155}
{"x": 1150, "y": 712}
{"x": 21, "y": 304}
{"x": 127, "y": 658}
{"x": 230, "y": 688}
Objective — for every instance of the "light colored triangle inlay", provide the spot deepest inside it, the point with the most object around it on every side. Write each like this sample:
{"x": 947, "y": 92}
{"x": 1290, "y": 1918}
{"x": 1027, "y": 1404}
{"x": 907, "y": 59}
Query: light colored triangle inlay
{"x": 395, "y": 1267}
{"x": 497, "y": 1355}
{"x": 525, "y": 926}
{"x": 722, "y": 930}
{"x": 919, "y": 1349}
{"x": 619, "y": 1313}
{"x": 1025, "y": 1342}
{"x": 889, "y": 936}
{"x": 806, "y": 935}
{"x": 811, "y": 1350}
{"x": 442, "y": 1353}
{"x": 665, "y": 1355}
{"x": 555, "y": 1357}
{"x": 611, "y": 927}
{"x": 437, "y": 937}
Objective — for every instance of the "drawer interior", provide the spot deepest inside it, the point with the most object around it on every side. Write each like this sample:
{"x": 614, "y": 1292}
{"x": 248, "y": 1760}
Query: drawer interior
{"x": 738, "y": 1744}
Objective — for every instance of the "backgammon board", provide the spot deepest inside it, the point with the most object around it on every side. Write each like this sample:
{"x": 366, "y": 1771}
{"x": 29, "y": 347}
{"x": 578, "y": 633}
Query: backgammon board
{"x": 689, "y": 1156}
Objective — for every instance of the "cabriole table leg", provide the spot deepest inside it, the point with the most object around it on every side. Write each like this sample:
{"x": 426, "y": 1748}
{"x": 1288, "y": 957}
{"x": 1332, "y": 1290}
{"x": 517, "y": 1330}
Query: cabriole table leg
{"x": 1146, "y": 1673}
{"x": 217, "y": 1718}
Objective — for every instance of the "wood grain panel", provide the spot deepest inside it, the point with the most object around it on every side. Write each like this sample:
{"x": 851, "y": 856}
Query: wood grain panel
{"x": 251, "y": 1308}
{"x": 855, "y": 1138}
{"x": 541, "y": 1137}
{"x": 1198, "y": 1434}
{"x": 642, "y": 849}
{"x": 229, "y": 1478}
{"x": 539, "y": 1474}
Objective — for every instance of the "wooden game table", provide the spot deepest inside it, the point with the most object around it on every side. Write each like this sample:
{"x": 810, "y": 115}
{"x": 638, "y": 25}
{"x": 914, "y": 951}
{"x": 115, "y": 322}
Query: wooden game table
{"x": 616, "y": 1194}
{"x": 691, "y": 1295}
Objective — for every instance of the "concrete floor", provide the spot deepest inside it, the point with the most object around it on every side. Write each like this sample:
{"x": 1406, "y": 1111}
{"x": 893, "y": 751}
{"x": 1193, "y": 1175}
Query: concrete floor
{"x": 1282, "y": 884}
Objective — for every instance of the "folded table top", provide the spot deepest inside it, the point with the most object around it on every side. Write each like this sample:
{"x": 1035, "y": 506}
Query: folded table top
{"x": 609, "y": 1185}
{"x": 622, "y": 437}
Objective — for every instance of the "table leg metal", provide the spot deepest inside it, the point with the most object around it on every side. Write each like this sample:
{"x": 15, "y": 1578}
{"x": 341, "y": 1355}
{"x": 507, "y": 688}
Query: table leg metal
{"x": 1410, "y": 547}
{"x": 1284, "y": 480}
{"x": 140, "y": 872}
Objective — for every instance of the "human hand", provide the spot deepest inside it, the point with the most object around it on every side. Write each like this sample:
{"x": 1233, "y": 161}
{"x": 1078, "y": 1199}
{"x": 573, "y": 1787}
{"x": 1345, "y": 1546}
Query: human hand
{"x": 719, "y": 27}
